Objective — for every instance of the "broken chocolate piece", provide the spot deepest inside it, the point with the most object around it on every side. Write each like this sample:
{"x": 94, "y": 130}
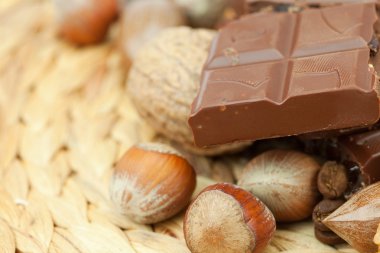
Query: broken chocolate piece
{"x": 280, "y": 74}
{"x": 363, "y": 150}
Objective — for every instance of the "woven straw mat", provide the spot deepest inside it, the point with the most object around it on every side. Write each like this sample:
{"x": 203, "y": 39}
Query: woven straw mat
{"x": 65, "y": 119}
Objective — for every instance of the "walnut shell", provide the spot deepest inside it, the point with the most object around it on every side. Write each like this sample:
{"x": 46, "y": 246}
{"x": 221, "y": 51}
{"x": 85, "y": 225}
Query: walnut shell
{"x": 164, "y": 79}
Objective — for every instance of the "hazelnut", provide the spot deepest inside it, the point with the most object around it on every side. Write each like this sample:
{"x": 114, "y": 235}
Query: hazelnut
{"x": 226, "y": 218}
{"x": 83, "y": 22}
{"x": 142, "y": 20}
{"x": 332, "y": 180}
{"x": 286, "y": 181}
{"x": 152, "y": 182}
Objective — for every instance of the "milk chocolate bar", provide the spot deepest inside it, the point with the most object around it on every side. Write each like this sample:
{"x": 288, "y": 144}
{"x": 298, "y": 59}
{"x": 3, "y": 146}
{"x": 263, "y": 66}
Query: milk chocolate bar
{"x": 363, "y": 150}
{"x": 280, "y": 74}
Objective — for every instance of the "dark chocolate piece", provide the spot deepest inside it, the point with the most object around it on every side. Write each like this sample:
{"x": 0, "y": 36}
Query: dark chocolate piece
{"x": 280, "y": 74}
{"x": 363, "y": 150}
{"x": 377, "y": 24}
{"x": 356, "y": 180}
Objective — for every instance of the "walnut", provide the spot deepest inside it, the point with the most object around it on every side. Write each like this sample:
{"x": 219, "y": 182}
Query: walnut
{"x": 164, "y": 80}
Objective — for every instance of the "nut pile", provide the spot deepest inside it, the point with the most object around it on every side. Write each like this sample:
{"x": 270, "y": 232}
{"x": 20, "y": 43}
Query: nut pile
{"x": 82, "y": 171}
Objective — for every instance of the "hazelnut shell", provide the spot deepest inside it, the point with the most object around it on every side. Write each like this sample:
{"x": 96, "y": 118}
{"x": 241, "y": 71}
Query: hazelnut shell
{"x": 152, "y": 182}
{"x": 286, "y": 181}
{"x": 226, "y": 218}
{"x": 85, "y": 22}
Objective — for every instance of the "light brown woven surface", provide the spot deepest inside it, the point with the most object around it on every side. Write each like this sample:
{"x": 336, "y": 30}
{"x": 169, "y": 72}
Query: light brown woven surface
{"x": 65, "y": 119}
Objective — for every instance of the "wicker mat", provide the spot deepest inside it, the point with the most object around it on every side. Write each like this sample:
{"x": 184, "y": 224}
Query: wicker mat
{"x": 65, "y": 119}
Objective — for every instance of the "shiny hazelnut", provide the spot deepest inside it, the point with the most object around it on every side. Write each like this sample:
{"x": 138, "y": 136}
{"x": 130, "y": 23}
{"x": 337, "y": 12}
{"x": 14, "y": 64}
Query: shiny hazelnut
{"x": 226, "y": 218}
{"x": 83, "y": 22}
{"x": 152, "y": 182}
{"x": 286, "y": 181}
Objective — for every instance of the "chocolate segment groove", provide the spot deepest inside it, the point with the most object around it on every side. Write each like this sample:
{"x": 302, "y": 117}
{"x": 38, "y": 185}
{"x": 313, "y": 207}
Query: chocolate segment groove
{"x": 279, "y": 74}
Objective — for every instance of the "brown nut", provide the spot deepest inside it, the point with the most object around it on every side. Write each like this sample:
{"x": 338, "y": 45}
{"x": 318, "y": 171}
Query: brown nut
{"x": 332, "y": 180}
{"x": 142, "y": 20}
{"x": 152, "y": 182}
{"x": 225, "y": 218}
{"x": 83, "y": 22}
{"x": 286, "y": 181}
{"x": 181, "y": 53}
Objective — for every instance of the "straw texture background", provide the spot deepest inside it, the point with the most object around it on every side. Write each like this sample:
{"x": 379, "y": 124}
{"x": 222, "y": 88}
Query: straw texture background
{"x": 65, "y": 119}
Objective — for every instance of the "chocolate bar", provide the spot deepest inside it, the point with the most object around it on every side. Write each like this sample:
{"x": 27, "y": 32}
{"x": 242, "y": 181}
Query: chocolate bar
{"x": 280, "y": 74}
{"x": 362, "y": 150}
